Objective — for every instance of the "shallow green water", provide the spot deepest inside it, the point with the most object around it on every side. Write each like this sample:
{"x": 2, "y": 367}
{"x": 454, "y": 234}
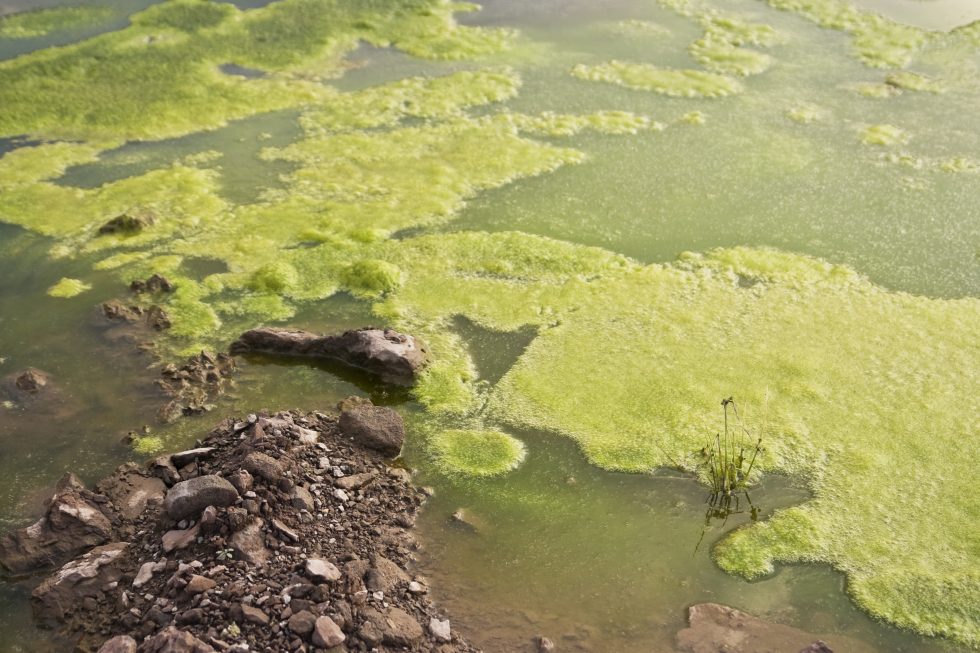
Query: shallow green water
{"x": 607, "y": 562}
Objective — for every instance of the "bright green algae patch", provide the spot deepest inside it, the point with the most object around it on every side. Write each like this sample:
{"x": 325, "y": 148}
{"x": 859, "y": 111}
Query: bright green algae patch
{"x": 32, "y": 24}
{"x": 666, "y": 81}
{"x": 476, "y": 452}
{"x": 68, "y": 288}
{"x": 160, "y": 76}
{"x": 884, "y": 135}
{"x": 858, "y": 380}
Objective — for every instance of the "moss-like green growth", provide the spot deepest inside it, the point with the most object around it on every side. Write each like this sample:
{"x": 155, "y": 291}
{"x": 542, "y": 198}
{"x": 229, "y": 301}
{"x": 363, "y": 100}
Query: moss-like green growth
{"x": 721, "y": 48}
{"x": 804, "y": 114}
{"x": 146, "y": 445}
{"x": 909, "y": 81}
{"x": 276, "y": 277}
{"x": 874, "y": 90}
{"x": 439, "y": 97}
{"x": 68, "y": 288}
{"x": 372, "y": 278}
{"x": 884, "y": 135}
{"x": 32, "y": 24}
{"x": 694, "y": 118}
{"x": 678, "y": 337}
{"x": 603, "y": 122}
{"x": 878, "y": 42}
{"x": 670, "y": 340}
{"x": 666, "y": 81}
{"x": 160, "y": 76}
{"x": 476, "y": 452}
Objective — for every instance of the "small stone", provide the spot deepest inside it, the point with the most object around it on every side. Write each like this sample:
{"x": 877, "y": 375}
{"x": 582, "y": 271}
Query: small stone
{"x": 255, "y": 615}
{"x": 285, "y": 530}
{"x": 545, "y": 645}
{"x": 263, "y": 465}
{"x": 327, "y": 634}
{"x": 440, "y": 629}
{"x": 301, "y": 499}
{"x": 190, "y": 617}
{"x": 199, "y": 584}
{"x": 241, "y": 480}
{"x": 171, "y": 640}
{"x": 340, "y": 494}
{"x": 302, "y": 623}
{"x": 355, "y": 482}
{"x": 321, "y": 571}
{"x": 249, "y": 543}
{"x": 144, "y": 575}
{"x": 185, "y": 457}
{"x": 177, "y": 539}
{"x": 416, "y": 587}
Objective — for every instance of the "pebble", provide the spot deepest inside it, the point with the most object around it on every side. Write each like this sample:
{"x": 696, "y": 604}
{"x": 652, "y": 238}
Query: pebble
{"x": 440, "y": 629}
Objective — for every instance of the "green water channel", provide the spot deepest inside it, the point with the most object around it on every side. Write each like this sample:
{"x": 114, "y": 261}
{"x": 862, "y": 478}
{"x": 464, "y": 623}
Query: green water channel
{"x": 595, "y": 559}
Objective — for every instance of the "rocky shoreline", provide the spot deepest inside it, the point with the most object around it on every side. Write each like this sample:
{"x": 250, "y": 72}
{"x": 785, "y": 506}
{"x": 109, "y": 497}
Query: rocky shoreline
{"x": 280, "y": 532}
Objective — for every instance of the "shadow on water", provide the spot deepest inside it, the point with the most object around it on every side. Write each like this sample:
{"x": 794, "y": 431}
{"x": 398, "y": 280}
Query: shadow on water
{"x": 493, "y": 352}
{"x": 380, "y": 394}
{"x": 13, "y": 143}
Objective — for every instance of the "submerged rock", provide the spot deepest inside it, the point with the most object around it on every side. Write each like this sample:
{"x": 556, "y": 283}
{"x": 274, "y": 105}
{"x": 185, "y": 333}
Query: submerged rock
{"x": 714, "y": 627}
{"x": 155, "y": 283}
{"x": 75, "y": 520}
{"x": 394, "y": 357}
{"x": 31, "y": 380}
{"x": 194, "y": 386}
{"x": 375, "y": 427}
{"x": 127, "y": 223}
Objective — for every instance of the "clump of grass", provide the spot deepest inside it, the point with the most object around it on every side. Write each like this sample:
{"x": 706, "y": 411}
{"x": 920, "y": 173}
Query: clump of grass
{"x": 730, "y": 456}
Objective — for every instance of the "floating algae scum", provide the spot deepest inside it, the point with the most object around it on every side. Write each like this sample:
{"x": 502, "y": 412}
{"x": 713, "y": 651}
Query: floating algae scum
{"x": 603, "y": 222}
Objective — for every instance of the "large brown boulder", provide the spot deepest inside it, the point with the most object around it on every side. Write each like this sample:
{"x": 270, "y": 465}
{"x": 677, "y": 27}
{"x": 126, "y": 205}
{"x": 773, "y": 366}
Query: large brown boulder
{"x": 393, "y": 357}
{"x": 87, "y": 576}
{"x": 375, "y": 427}
{"x": 189, "y": 498}
{"x": 75, "y": 520}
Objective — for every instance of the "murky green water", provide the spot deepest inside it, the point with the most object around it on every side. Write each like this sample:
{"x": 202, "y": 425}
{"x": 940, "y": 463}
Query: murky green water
{"x": 596, "y": 560}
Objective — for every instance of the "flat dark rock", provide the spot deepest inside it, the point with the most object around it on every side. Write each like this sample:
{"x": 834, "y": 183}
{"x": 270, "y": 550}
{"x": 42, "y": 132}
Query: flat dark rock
{"x": 393, "y": 357}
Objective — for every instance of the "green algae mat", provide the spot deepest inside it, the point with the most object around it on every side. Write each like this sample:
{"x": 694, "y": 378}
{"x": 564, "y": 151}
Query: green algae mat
{"x": 772, "y": 200}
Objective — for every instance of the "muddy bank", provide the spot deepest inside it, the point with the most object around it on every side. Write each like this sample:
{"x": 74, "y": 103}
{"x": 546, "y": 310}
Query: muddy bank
{"x": 279, "y": 532}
